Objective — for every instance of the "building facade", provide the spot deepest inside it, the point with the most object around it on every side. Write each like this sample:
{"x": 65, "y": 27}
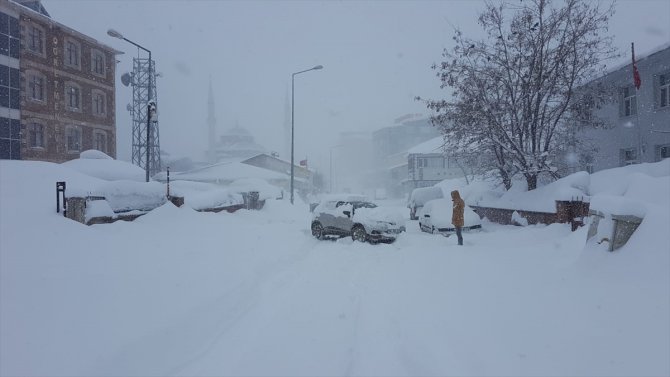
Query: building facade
{"x": 637, "y": 121}
{"x": 57, "y": 87}
{"x": 390, "y": 150}
{"x": 427, "y": 165}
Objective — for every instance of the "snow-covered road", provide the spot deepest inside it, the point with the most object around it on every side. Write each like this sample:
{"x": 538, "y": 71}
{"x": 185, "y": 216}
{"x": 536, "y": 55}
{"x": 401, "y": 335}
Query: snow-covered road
{"x": 178, "y": 292}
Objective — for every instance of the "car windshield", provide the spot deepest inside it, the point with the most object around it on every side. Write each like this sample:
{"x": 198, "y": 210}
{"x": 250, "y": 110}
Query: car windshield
{"x": 363, "y": 205}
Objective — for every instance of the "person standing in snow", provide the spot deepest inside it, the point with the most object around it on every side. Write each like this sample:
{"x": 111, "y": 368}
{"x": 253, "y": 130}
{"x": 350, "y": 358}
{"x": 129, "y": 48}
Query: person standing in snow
{"x": 457, "y": 214}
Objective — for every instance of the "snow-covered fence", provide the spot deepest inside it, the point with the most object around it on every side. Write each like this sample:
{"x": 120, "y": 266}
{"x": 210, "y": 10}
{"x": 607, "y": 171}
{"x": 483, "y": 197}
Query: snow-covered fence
{"x": 567, "y": 211}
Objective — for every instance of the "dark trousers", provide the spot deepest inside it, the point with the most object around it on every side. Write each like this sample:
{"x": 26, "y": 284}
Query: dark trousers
{"x": 459, "y": 235}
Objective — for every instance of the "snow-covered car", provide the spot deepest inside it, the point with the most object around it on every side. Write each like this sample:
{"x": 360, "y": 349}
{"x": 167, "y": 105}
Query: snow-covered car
{"x": 362, "y": 220}
{"x": 421, "y": 196}
{"x": 435, "y": 217}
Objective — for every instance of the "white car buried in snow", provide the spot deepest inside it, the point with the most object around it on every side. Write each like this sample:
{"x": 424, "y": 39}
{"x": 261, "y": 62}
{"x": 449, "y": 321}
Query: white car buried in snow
{"x": 435, "y": 217}
{"x": 363, "y": 221}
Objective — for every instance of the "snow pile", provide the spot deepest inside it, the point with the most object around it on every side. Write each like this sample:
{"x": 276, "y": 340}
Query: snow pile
{"x": 623, "y": 190}
{"x": 371, "y": 217}
{"x": 420, "y": 196}
{"x": 215, "y": 198}
{"x": 99, "y": 165}
{"x": 518, "y": 219}
{"x": 441, "y": 210}
{"x": 543, "y": 199}
{"x": 125, "y": 196}
{"x": 98, "y": 208}
{"x": 616, "y": 181}
{"x": 94, "y": 154}
{"x": 264, "y": 189}
{"x": 198, "y": 195}
{"x": 475, "y": 192}
{"x": 631, "y": 190}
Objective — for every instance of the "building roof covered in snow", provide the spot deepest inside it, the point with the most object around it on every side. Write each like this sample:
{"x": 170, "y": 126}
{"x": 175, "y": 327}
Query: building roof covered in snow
{"x": 433, "y": 145}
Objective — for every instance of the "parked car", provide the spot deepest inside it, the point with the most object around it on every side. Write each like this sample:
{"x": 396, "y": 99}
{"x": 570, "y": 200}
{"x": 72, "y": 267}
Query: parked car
{"x": 419, "y": 197}
{"x": 435, "y": 217}
{"x": 362, "y": 220}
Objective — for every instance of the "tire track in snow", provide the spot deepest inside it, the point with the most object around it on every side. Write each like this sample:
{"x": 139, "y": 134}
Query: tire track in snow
{"x": 275, "y": 272}
{"x": 206, "y": 324}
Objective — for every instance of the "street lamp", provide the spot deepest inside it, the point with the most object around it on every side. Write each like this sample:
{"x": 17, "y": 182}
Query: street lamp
{"x": 292, "y": 120}
{"x": 151, "y": 107}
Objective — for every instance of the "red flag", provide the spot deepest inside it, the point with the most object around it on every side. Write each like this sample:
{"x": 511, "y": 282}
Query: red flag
{"x": 303, "y": 162}
{"x": 636, "y": 74}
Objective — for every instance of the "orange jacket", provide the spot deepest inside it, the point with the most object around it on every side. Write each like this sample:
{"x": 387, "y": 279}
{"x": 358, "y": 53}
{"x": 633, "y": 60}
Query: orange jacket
{"x": 459, "y": 208}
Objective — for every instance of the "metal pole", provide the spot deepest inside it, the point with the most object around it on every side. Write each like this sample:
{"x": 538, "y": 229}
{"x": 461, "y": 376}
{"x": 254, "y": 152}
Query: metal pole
{"x": 292, "y": 128}
{"x": 293, "y": 122}
{"x": 149, "y": 121}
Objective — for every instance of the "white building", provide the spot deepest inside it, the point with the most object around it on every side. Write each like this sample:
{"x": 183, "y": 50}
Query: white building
{"x": 637, "y": 122}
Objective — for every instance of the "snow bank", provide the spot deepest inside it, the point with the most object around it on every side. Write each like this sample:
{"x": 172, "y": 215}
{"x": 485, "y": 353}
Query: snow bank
{"x": 99, "y": 165}
{"x": 98, "y": 208}
{"x": 420, "y": 196}
{"x": 477, "y": 191}
{"x": 215, "y": 198}
{"x": 131, "y": 195}
{"x": 441, "y": 210}
{"x": 626, "y": 190}
{"x": 265, "y": 190}
{"x": 373, "y": 216}
{"x": 543, "y": 199}
{"x": 632, "y": 191}
{"x": 616, "y": 181}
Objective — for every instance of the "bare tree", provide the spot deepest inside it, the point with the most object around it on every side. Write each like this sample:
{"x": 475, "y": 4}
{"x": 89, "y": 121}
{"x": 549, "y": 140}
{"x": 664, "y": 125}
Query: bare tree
{"x": 513, "y": 92}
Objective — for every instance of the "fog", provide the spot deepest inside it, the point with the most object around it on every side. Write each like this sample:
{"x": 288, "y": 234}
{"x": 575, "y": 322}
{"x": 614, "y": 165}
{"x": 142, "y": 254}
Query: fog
{"x": 376, "y": 57}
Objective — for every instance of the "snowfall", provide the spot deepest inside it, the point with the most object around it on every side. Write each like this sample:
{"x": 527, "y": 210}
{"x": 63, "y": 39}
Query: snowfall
{"x": 252, "y": 293}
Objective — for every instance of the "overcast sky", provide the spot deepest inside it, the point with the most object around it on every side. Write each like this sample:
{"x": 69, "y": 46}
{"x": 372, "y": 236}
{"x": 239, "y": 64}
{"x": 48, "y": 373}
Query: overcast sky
{"x": 376, "y": 57}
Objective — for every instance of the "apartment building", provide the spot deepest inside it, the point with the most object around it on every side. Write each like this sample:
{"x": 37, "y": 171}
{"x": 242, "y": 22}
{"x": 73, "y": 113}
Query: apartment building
{"x": 637, "y": 121}
{"x": 57, "y": 87}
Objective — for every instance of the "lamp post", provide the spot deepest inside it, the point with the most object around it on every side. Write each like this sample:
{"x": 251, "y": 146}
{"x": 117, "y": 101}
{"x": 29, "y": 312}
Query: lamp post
{"x": 292, "y": 120}
{"x": 151, "y": 106}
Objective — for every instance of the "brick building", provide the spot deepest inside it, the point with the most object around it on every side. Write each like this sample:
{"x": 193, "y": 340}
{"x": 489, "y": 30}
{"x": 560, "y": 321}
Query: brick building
{"x": 57, "y": 87}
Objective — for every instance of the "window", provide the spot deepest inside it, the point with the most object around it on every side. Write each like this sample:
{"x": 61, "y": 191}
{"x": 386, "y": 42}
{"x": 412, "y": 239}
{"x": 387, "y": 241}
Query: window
{"x": 36, "y": 39}
{"x": 435, "y": 162}
{"x": 10, "y": 139}
{"x": 101, "y": 141}
{"x": 73, "y": 96}
{"x": 9, "y": 87}
{"x": 73, "y": 139}
{"x": 662, "y": 152}
{"x": 664, "y": 90}
{"x": 98, "y": 99}
{"x": 36, "y": 135}
{"x": 9, "y": 36}
{"x": 72, "y": 54}
{"x": 36, "y": 89}
{"x": 97, "y": 62}
{"x": 628, "y": 156}
{"x": 628, "y": 105}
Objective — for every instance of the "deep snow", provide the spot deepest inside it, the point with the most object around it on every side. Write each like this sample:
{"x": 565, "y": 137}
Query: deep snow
{"x": 178, "y": 292}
